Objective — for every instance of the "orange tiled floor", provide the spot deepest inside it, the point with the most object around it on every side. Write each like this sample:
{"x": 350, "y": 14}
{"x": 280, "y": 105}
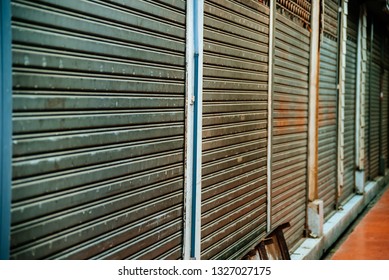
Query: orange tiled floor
{"x": 370, "y": 238}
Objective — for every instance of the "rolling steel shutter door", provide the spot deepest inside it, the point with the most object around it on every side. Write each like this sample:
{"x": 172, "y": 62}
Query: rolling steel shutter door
{"x": 385, "y": 117}
{"x": 290, "y": 127}
{"x": 367, "y": 110}
{"x": 350, "y": 99}
{"x": 98, "y": 129}
{"x": 234, "y": 127}
{"x": 385, "y": 114}
{"x": 327, "y": 173}
{"x": 375, "y": 106}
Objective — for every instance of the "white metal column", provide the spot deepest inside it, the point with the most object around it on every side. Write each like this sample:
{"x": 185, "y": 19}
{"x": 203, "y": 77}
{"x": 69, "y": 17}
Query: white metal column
{"x": 194, "y": 50}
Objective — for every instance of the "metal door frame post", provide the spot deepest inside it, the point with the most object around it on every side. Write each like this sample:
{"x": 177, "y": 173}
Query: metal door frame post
{"x": 342, "y": 36}
{"x": 194, "y": 86}
{"x": 270, "y": 111}
{"x": 360, "y": 103}
{"x": 5, "y": 127}
{"x": 315, "y": 210}
{"x": 382, "y": 158}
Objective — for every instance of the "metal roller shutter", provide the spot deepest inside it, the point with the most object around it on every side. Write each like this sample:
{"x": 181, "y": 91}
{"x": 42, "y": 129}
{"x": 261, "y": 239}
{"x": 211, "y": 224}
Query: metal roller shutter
{"x": 375, "y": 106}
{"x": 367, "y": 109}
{"x": 98, "y": 129}
{"x": 350, "y": 102}
{"x": 328, "y": 109}
{"x": 234, "y": 127}
{"x": 385, "y": 114}
{"x": 290, "y": 126}
{"x": 385, "y": 117}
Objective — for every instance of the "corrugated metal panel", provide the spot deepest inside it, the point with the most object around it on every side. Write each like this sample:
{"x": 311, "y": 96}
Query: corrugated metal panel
{"x": 327, "y": 125}
{"x": 375, "y": 106}
{"x": 327, "y": 173}
{"x": 385, "y": 114}
{"x": 350, "y": 102}
{"x": 331, "y": 18}
{"x": 98, "y": 129}
{"x": 367, "y": 110}
{"x": 297, "y": 10}
{"x": 234, "y": 127}
{"x": 290, "y": 127}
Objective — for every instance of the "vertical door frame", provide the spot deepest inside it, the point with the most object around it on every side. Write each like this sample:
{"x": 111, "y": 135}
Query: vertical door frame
{"x": 370, "y": 96}
{"x": 382, "y": 158}
{"x": 193, "y": 131}
{"x": 360, "y": 102}
{"x": 272, "y": 7}
{"x": 342, "y": 37}
{"x": 313, "y": 119}
{"x": 5, "y": 127}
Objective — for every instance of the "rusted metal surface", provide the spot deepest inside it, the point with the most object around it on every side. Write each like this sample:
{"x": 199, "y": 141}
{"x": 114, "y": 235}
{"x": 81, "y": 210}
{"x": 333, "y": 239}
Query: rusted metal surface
{"x": 98, "y": 138}
{"x": 290, "y": 127}
{"x": 313, "y": 119}
{"x": 234, "y": 127}
{"x": 297, "y": 10}
{"x": 350, "y": 102}
{"x": 331, "y": 18}
{"x": 328, "y": 109}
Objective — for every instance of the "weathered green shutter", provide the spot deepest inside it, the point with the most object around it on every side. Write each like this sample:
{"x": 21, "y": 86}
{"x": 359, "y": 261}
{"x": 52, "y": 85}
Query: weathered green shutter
{"x": 99, "y": 98}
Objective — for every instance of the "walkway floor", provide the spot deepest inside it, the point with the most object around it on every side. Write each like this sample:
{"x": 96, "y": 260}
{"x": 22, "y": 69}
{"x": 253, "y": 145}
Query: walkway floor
{"x": 370, "y": 238}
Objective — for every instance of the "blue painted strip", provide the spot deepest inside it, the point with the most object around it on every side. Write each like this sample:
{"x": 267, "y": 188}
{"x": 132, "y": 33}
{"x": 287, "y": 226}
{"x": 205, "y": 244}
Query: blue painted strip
{"x": 195, "y": 30}
{"x": 194, "y": 183}
{"x": 5, "y": 128}
{"x": 195, "y": 127}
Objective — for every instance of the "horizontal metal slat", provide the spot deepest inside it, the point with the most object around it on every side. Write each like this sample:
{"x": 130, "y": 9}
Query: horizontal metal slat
{"x": 73, "y": 63}
{"x": 87, "y": 240}
{"x": 223, "y": 175}
{"x": 94, "y": 27}
{"x": 283, "y": 24}
{"x": 227, "y": 119}
{"x": 25, "y": 124}
{"x": 25, "y": 35}
{"x": 137, "y": 10}
{"x": 169, "y": 249}
{"x": 224, "y": 20}
{"x": 211, "y": 96}
{"x": 211, "y": 242}
{"x": 230, "y": 151}
{"x": 259, "y": 64}
{"x": 234, "y": 40}
{"x": 52, "y": 224}
{"x": 129, "y": 249}
{"x": 217, "y": 50}
{"x": 50, "y": 142}
{"x": 64, "y": 102}
{"x": 71, "y": 179}
{"x": 211, "y": 144}
{"x": 246, "y": 194}
{"x": 234, "y": 182}
{"x": 36, "y": 165}
{"x": 251, "y": 232}
{"x": 241, "y": 8}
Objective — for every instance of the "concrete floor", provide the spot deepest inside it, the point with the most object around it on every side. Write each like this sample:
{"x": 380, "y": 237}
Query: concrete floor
{"x": 368, "y": 237}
